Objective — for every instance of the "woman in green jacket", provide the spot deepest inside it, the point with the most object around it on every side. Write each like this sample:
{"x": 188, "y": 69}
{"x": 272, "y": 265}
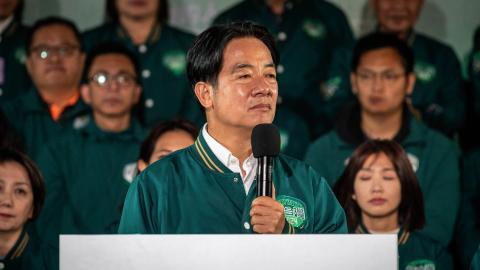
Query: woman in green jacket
{"x": 380, "y": 194}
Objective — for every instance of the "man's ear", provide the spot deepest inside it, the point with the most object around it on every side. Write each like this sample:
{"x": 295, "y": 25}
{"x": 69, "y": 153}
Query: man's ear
{"x": 85, "y": 93}
{"x": 411, "y": 79}
{"x": 204, "y": 93}
{"x": 141, "y": 165}
{"x": 353, "y": 83}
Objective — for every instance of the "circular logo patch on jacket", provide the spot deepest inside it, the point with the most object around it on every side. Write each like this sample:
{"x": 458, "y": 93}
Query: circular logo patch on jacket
{"x": 129, "y": 171}
{"x": 330, "y": 87}
{"x": 81, "y": 121}
{"x": 314, "y": 28}
{"x": 420, "y": 265}
{"x": 414, "y": 161}
{"x": 425, "y": 72}
{"x": 175, "y": 61}
{"x": 295, "y": 211}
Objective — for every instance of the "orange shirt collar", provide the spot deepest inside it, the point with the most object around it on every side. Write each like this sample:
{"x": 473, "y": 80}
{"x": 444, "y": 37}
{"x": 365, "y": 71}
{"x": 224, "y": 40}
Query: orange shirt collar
{"x": 56, "y": 110}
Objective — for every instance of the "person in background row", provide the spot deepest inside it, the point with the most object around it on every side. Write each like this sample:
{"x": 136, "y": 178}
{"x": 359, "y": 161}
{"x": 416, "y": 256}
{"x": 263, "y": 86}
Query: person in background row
{"x": 467, "y": 235}
{"x": 167, "y": 137}
{"x": 438, "y": 96}
{"x": 380, "y": 194}
{"x": 161, "y": 49}
{"x": 474, "y": 70}
{"x": 382, "y": 77}
{"x": 99, "y": 160}
{"x": 14, "y": 79}
{"x": 305, "y": 31}
{"x": 232, "y": 68}
{"x": 55, "y": 62}
{"x": 22, "y": 194}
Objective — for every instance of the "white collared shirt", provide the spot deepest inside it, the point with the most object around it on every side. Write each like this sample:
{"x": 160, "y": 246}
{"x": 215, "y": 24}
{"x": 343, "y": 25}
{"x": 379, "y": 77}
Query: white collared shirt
{"x": 4, "y": 24}
{"x": 230, "y": 161}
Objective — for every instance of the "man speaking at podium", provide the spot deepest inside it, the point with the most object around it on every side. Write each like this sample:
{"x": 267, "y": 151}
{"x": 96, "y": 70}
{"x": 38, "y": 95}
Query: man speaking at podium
{"x": 210, "y": 187}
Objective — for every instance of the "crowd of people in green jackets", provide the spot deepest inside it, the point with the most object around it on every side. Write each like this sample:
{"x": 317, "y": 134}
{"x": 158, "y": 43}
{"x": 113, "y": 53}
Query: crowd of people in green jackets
{"x": 386, "y": 121}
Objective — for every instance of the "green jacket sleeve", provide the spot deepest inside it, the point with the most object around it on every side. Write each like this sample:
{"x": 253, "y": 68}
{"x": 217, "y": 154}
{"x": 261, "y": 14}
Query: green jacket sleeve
{"x": 449, "y": 113}
{"x": 441, "y": 196}
{"x": 49, "y": 221}
{"x": 330, "y": 216}
{"x": 467, "y": 236}
{"x": 475, "y": 264}
{"x": 140, "y": 210}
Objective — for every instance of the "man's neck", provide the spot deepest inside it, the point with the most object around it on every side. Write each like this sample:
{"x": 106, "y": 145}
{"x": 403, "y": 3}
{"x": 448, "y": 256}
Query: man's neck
{"x": 57, "y": 96}
{"x": 381, "y": 126}
{"x": 8, "y": 240}
{"x": 381, "y": 224}
{"x": 138, "y": 29}
{"x": 237, "y": 141}
{"x": 277, "y": 6}
{"x": 403, "y": 35}
{"x": 114, "y": 124}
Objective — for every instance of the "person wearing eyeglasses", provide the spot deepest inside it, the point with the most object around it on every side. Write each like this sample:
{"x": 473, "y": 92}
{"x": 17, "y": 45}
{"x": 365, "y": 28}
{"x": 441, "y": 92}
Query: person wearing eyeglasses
{"x": 438, "y": 95}
{"x": 142, "y": 26}
{"x": 14, "y": 78}
{"x": 382, "y": 76}
{"x": 54, "y": 62}
{"x": 88, "y": 171}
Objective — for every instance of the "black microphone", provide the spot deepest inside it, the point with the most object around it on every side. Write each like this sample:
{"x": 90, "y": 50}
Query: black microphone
{"x": 265, "y": 147}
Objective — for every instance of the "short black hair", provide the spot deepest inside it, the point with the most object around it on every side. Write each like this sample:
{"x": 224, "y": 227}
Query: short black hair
{"x": 205, "y": 57}
{"x": 111, "y": 12}
{"x": 378, "y": 40}
{"x": 110, "y": 48}
{"x": 35, "y": 178}
{"x": 52, "y": 20}
{"x": 411, "y": 213}
{"x": 148, "y": 145}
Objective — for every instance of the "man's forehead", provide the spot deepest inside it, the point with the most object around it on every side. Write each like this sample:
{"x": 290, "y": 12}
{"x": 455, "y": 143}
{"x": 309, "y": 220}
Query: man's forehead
{"x": 241, "y": 51}
{"x": 113, "y": 62}
{"x": 56, "y": 33}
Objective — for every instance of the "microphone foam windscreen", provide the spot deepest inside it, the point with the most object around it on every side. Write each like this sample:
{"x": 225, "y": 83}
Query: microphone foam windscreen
{"x": 265, "y": 140}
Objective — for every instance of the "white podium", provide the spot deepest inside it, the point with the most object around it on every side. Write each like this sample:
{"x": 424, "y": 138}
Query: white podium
{"x": 232, "y": 252}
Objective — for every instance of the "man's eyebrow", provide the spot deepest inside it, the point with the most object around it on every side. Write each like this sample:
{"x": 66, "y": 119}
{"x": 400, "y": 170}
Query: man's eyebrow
{"x": 244, "y": 65}
{"x": 241, "y": 66}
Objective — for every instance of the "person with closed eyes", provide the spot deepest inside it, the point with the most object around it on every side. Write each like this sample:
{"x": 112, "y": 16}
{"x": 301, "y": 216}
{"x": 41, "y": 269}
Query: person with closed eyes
{"x": 380, "y": 194}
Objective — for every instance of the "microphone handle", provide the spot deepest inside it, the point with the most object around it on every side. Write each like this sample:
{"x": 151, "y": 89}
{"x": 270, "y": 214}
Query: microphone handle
{"x": 264, "y": 176}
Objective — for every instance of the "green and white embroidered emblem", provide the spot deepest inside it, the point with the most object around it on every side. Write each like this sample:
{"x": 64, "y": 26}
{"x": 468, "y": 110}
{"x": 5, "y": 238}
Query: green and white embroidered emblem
{"x": 81, "y": 121}
{"x": 425, "y": 72}
{"x": 476, "y": 62}
{"x": 420, "y": 265}
{"x": 314, "y": 28}
{"x": 175, "y": 61}
{"x": 414, "y": 161}
{"x": 20, "y": 55}
{"x": 295, "y": 211}
{"x": 129, "y": 171}
{"x": 330, "y": 87}
{"x": 284, "y": 138}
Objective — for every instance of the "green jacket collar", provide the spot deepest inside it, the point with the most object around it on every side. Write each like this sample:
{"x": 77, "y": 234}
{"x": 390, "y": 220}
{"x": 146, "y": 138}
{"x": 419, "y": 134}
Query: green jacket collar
{"x": 206, "y": 157}
{"x": 134, "y": 132}
{"x": 348, "y": 126}
{"x": 32, "y": 102}
{"x": 19, "y": 247}
{"x": 153, "y": 37}
{"x": 402, "y": 234}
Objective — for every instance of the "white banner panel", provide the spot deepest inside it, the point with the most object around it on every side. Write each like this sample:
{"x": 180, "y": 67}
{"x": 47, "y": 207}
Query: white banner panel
{"x": 233, "y": 252}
